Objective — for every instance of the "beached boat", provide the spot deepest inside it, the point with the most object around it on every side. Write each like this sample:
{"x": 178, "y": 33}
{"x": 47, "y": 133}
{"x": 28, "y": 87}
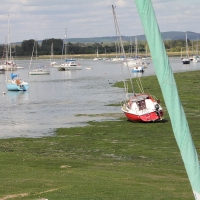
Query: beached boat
{"x": 139, "y": 107}
{"x": 142, "y": 107}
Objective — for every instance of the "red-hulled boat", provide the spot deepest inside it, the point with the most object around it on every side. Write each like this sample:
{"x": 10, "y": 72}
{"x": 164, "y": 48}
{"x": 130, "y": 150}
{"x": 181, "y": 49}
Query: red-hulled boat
{"x": 142, "y": 108}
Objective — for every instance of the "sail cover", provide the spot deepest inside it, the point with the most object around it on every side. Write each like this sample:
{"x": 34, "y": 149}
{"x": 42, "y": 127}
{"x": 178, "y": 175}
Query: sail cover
{"x": 170, "y": 93}
{"x": 13, "y": 75}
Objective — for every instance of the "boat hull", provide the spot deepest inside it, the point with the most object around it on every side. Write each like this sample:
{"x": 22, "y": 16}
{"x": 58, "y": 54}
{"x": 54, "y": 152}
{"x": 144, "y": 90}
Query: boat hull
{"x": 39, "y": 72}
{"x": 137, "y": 70}
{"x": 148, "y": 117}
{"x": 15, "y": 87}
{"x": 186, "y": 62}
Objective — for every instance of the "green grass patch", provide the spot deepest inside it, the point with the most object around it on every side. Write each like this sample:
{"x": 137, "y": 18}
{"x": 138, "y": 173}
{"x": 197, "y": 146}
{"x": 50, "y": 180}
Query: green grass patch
{"x": 104, "y": 160}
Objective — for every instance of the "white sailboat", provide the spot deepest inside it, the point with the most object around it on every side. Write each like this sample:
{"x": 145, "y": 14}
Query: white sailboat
{"x": 53, "y": 63}
{"x": 186, "y": 60}
{"x": 70, "y": 64}
{"x": 15, "y": 83}
{"x": 196, "y": 58}
{"x": 97, "y": 57}
{"x": 136, "y": 64}
{"x": 38, "y": 70}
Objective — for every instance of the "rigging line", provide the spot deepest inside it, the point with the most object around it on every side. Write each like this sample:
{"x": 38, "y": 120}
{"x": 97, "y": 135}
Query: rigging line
{"x": 141, "y": 85}
{"x": 122, "y": 47}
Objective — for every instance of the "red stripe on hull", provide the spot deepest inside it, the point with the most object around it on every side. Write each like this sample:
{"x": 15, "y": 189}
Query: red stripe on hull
{"x": 150, "y": 117}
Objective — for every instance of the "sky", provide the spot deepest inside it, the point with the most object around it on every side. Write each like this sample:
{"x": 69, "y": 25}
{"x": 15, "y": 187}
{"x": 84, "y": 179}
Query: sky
{"x": 43, "y": 19}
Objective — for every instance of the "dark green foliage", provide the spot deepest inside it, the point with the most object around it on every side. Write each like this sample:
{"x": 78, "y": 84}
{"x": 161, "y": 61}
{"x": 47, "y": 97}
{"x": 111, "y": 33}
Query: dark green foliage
{"x": 44, "y": 47}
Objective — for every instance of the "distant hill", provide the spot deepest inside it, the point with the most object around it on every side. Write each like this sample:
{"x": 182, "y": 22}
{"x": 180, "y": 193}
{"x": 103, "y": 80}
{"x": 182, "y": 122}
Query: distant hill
{"x": 171, "y": 35}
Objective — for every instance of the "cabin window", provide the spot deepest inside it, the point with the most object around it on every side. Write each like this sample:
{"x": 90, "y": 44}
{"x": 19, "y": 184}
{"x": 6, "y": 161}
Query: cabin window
{"x": 141, "y": 104}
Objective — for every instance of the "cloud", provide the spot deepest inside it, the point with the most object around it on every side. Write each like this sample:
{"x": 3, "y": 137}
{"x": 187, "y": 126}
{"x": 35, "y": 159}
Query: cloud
{"x": 31, "y": 19}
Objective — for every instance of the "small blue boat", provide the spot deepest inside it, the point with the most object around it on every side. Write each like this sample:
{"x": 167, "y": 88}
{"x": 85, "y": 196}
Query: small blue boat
{"x": 16, "y": 84}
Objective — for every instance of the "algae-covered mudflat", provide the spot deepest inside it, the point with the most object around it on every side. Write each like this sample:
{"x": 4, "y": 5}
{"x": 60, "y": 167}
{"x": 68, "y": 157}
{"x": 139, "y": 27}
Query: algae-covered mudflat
{"x": 105, "y": 160}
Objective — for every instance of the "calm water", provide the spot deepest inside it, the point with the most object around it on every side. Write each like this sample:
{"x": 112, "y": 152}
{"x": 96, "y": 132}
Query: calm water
{"x": 52, "y": 101}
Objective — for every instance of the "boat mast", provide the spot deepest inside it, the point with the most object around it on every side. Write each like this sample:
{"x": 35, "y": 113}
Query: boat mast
{"x": 36, "y": 50}
{"x": 8, "y": 49}
{"x": 32, "y": 56}
{"x": 51, "y": 52}
{"x": 65, "y": 43}
{"x": 136, "y": 50}
{"x": 121, "y": 44}
{"x": 187, "y": 55}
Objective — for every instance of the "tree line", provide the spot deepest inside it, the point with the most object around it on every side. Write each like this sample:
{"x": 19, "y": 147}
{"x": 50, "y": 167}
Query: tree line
{"x": 60, "y": 47}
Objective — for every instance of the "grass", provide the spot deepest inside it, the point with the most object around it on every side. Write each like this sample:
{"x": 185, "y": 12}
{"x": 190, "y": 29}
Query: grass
{"x": 104, "y": 160}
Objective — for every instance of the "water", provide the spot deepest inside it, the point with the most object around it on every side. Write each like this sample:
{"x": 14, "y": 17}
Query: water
{"x": 53, "y": 101}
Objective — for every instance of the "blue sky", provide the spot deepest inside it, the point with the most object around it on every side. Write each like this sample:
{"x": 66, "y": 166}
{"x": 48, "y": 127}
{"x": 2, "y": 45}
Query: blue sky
{"x": 36, "y": 19}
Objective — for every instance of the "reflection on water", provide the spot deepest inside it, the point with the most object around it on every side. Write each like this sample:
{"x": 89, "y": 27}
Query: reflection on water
{"x": 54, "y": 100}
{"x": 17, "y": 96}
{"x": 137, "y": 74}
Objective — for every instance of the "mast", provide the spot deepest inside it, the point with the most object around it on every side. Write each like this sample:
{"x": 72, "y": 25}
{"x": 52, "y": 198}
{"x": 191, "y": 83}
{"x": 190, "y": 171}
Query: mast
{"x": 121, "y": 44}
{"x": 51, "y": 51}
{"x": 32, "y": 56}
{"x": 65, "y": 43}
{"x": 36, "y": 50}
{"x": 170, "y": 93}
{"x": 8, "y": 49}
{"x": 187, "y": 55}
{"x": 9, "y": 45}
{"x": 136, "y": 50}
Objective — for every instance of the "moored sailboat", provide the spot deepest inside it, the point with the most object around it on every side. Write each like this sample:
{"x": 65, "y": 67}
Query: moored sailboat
{"x": 186, "y": 60}
{"x": 14, "y": 84}
{"x": 69, "y": 64}
{"x": 39, "y": 70}
{"x": 53, "y": 63}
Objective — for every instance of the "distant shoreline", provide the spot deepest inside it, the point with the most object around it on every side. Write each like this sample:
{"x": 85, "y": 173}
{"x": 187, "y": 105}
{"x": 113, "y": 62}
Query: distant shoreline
{"x": 90, "y": 56}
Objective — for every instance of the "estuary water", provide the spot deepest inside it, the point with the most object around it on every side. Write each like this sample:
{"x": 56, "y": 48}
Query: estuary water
{"x": 65, "y": 98}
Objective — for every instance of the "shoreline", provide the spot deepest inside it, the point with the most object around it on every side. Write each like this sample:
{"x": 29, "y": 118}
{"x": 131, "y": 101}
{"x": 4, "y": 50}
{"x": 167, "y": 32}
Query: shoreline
{"x": 90, "y": 56}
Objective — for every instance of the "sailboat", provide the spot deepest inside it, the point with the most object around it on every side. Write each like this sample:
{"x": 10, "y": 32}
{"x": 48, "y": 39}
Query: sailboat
{"x": 136, "y": 64}
{"x": 170, "y": 93}
{"x": 53, "y": 63}
{"x": 15, "y": 83}
{"x": 186, "y": 60}
{"x": 97, "y": 57}
{"x": 196, "y": 58}
{"x": 139, "y": 107}
{"x": 39, "y": 70}
{"x": 70, "y": 64}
